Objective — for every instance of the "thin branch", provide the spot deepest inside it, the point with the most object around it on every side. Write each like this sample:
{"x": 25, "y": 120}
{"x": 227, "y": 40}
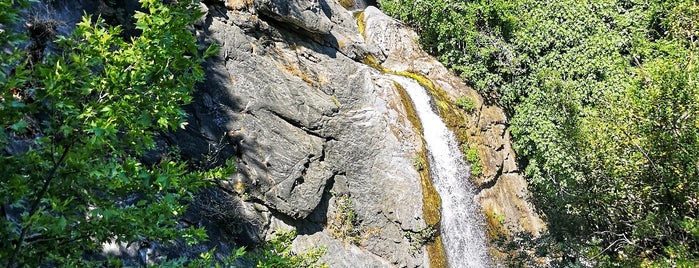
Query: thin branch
{"x": 35, "y": 206}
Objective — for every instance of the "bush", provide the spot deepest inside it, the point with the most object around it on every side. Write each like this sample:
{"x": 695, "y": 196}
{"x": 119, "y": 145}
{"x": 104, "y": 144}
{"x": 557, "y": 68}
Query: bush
{"x": 344, "y": 225}
{"x": 88, "y": 113}
{"x": 465, "y": 103}
{"x": 421, "y": 237}
{"x": 473, "y": 158}
{"x": 277, "y": 253}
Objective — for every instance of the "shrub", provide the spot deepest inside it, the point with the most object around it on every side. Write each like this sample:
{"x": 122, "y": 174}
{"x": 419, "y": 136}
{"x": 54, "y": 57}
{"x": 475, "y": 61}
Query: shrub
{"x": 277, "y": 253}
{"x": 421, "y": 237}
{"x": 344, "y": 224}
{"x": 88, "y": 113}
{"x": 465, "y": 103}
{"x": 419, "y": 163}
{"x": 473, "y": 157}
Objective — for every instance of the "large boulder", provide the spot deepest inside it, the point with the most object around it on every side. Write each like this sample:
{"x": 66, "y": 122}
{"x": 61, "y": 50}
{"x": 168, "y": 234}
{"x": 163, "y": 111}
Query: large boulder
{"x": 307, "y": 123}
{"x": 306, "y": 14}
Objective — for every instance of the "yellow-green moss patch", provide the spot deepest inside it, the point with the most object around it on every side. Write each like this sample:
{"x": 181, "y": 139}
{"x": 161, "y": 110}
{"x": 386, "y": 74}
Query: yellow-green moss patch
{"x": 373, "y": 62}
{"x": 360, "y": 23}
{"x": 431, "y": 203}
{"x": 496, "y": 227}
{"x": 335, "y": 101}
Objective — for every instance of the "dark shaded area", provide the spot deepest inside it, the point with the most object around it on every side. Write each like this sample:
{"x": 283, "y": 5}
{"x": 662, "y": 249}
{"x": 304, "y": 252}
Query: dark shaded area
{"x": 223, "y": 215}
{"x": 290, "y": 34}
{"x": 120, "y": 12}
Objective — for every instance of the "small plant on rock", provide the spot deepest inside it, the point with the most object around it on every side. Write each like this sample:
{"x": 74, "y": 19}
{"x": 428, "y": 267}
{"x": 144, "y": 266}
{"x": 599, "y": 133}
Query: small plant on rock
{"x": 421, "y": 237}
{"x": 277, "y": 253}
{"x": 419, "y": 163}
{"x": 465, "y": 103}
{"x": 473, "y": 157}
{"x": 344, "y": 225}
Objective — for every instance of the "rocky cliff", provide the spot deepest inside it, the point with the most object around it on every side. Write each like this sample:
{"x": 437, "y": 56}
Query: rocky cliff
{"x": 317, "y": 134}
{"x": 501, "y": 188}
{"x": 310, "y": 126}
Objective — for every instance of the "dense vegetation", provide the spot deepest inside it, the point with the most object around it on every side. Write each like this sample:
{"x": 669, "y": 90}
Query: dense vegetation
{"x": 275, "y": 253}
{"x": 78, "y": 116}
{"x": 85, "y": 114}
{"x": 603, "y": 98}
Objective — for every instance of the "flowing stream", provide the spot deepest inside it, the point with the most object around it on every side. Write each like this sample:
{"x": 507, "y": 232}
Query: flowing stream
{"x": 461, "y": 224}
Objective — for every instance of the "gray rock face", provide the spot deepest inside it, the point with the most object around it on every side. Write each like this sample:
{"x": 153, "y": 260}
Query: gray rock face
{"x": 305, "y": 122}
{"x": 352, "y": 256}
{"x": 302, "y": 13}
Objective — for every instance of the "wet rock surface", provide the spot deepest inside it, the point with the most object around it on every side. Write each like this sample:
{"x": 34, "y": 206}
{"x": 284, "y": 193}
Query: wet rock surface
{"x": 502, "y": 188}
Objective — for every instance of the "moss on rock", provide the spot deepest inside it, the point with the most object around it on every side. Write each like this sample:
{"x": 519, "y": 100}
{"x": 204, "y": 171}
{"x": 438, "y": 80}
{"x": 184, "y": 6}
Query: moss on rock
{"x": 431, "y": 203}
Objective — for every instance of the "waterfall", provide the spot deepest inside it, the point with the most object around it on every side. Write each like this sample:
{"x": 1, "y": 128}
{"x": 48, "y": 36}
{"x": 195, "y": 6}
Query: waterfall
{"x": 461, "y": 225}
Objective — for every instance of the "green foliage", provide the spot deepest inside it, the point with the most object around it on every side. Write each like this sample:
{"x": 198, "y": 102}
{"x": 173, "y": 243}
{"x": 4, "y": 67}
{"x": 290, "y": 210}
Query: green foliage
{"x": 9, "y": 39}
{"x": 89, "y": 112}
{"x": 604, "y": 105}
{"x": 421, "y": 237}
{"x": 277, "y": 253}
{"x": 465, "y": 103}
{"x": 344, "y": 224}
{"x": 473, "y": 158}
{"x": 469, "y": 36}
{"x": 419, "y": 163}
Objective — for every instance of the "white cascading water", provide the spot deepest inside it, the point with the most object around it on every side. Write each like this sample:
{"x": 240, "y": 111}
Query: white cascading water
{"x": 462, "y": 227}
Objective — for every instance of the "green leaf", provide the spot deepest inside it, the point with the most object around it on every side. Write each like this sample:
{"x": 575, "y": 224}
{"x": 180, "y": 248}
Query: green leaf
{"x": 141, "y": 20}
{"x": 19, "y": 126}
{"x": 62, "y": 223}
{"x": 212, "y": 50}
{"x": 98, "y": 131}
{"x": 163, "y": 122}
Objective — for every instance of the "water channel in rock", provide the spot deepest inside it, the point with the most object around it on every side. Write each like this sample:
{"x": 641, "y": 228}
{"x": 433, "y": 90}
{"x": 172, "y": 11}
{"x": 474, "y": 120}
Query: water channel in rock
{"x": 462, "y": 226}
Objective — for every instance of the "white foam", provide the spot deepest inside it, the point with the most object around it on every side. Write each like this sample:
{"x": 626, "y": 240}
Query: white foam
{"x": 462, "y": 226}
